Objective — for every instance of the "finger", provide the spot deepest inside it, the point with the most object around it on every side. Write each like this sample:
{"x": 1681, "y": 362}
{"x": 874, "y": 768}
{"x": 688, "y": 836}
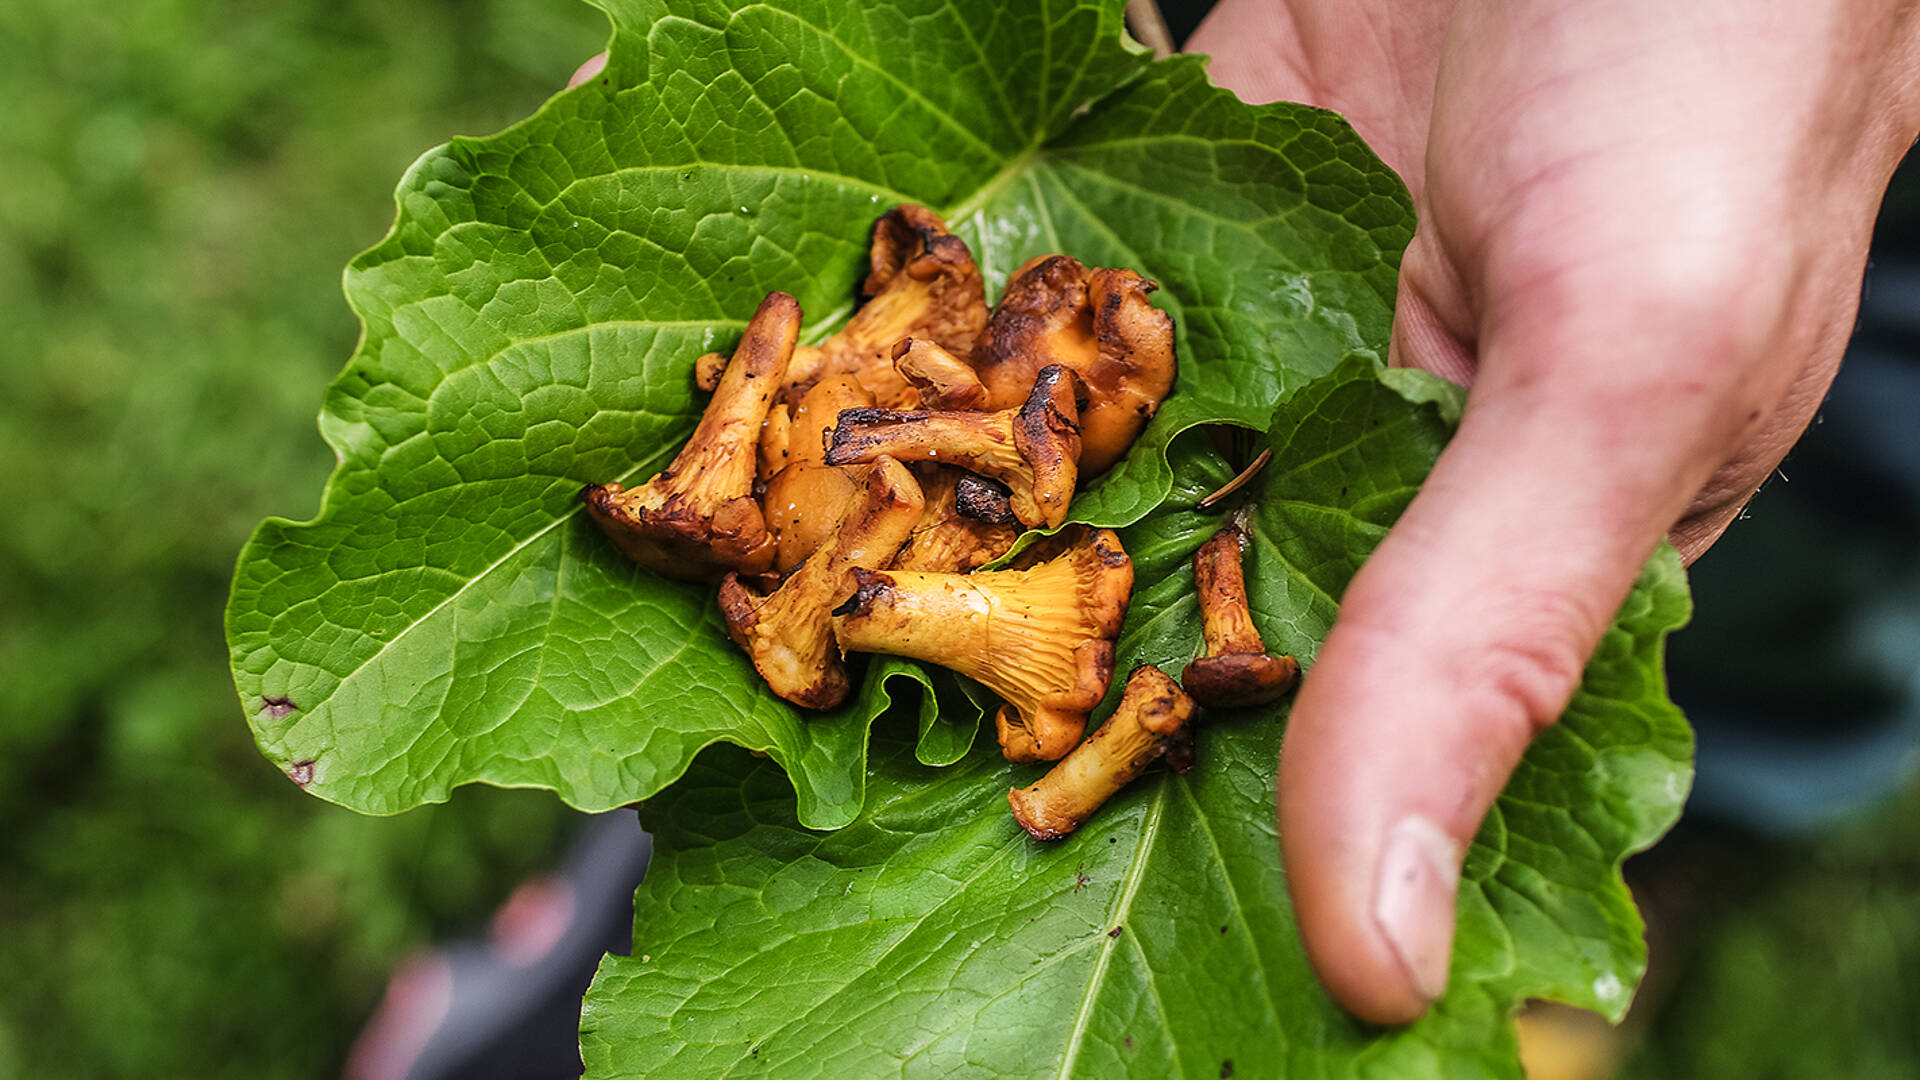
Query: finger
{"x": 1255, "y": 51}
{"x": 595, "y": 64}
{"x": 1467, "y": 630}
{"x": 1372, "y": 61}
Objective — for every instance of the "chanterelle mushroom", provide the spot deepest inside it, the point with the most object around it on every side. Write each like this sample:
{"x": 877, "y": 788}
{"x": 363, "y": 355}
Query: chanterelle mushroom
{"x": 923, "y": 284}
{"x": 1034, "y": 449}
{"x": 945, "y": 541}
{"x": 707, "y": 371}
{"x": 944, "y": 380}
{"x": 1237, "y": 670}
{"x": 1042, "y": 637}
{"x": 788, "y": 634}
{"x": 805, "y": 496}
{"x": 1097, "y": 322}
{"x": 697, "y": 518}
{"x": 1151, "y": 722}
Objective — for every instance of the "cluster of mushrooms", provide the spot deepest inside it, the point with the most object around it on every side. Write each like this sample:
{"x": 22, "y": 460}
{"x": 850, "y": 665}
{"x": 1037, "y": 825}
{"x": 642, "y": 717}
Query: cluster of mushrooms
{"x": 844, "y": 495}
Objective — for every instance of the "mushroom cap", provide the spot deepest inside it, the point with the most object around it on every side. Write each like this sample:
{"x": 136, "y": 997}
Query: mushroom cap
{"x": 788, "y": 634}
{"x": 1099, "y": 323}
{"x": 944, "y": 380}
{"x": 696, "y": 519}
{"x": 1104, "y": 576}
{"x": 681, "y": 538}
{"x": 913, "y": 240}
{"x": 1239, "y": 680}
{"x": 1040, "y": 734}
{"x": 805, "y": 497}
{"x": 1046, "y": 431}
{"x": 923, "y": 283}
{"x": 1041, "y": 636}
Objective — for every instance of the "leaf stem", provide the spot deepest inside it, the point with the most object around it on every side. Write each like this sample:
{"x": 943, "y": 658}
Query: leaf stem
{"x": 1238, "y": 482}
{"x": 1015, "y": 167}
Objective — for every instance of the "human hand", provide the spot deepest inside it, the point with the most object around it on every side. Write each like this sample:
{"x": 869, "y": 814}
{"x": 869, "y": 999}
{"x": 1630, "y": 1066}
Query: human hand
{"x": 1642, "y": 232}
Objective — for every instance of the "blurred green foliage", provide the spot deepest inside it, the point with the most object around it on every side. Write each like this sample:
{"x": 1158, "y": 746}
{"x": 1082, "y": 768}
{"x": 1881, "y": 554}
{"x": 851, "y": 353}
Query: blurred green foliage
{"x": 181, "y": 183}
{"x": 1791, "y": 960}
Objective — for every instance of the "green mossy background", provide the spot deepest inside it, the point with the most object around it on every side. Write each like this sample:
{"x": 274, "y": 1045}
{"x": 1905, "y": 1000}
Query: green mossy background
{"x": 180, "y": 185}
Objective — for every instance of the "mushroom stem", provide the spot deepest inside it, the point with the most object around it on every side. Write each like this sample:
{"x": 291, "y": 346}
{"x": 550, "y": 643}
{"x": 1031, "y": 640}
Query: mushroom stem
{"x": 1034, "y": 450}
{"x": 697, "y": 517}
{"x": 1237, "y": 670}
{"x": 789, "y": 633}
{"x": 1041, "y": 637}
{"x": 1150, "y": 723}
{"x": 774, "y": 432}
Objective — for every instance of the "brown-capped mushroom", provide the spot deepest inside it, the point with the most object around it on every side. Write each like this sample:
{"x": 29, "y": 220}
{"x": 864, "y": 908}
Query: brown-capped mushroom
{"x": 1040, "y": 637}
{"x": 1150, "y": 723}
{"x": 943, "y": 380}
{"x": 805, "y": 496}
{"x": 697, "y": 518}
{"x": 945, "y": 541}
{"x": 923, "y": 284}
{"x": 1237, "y": 670}
{"x": 1034, "y": 449}
{"x": 788, "y": 634}
{"x": 1097, "y": 322}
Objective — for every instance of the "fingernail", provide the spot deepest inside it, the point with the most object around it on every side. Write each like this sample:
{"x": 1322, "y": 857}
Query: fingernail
{"x": 1413, "y": 900}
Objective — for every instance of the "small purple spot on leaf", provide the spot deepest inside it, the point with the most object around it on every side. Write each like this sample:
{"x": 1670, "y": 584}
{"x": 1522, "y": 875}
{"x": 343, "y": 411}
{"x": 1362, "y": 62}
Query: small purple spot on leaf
{"x": 1115, "y": 932}
{"x": 277, "y": 708}
{"x": 301, "y": 772}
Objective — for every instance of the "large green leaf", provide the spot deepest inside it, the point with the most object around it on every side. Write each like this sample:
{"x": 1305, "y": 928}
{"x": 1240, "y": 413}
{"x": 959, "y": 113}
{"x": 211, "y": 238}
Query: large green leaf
{"x": 531, "y": 321}
{"x": 932, "y": 937}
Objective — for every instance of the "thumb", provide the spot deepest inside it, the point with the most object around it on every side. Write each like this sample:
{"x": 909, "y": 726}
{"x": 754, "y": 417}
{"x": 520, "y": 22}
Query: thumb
{"x": 592, "y": 66}
{"x": 1467, "y": 630}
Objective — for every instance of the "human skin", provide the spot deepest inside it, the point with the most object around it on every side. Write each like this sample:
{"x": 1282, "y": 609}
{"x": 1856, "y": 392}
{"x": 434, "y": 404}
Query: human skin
{"x": 1642, "y": 230}
{"x": 1643, "y": 226}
